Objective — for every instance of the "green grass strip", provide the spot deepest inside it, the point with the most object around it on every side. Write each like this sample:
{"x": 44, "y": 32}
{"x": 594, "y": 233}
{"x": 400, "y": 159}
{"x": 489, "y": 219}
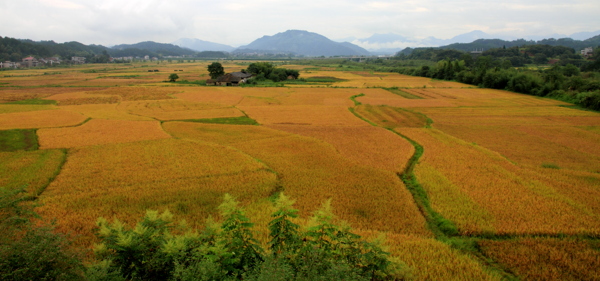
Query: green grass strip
{"x": 33, "y": 101}
{"x": 242, "y": 120}
{"x": 18, "y": 139}
{"x": 396, "y": 91}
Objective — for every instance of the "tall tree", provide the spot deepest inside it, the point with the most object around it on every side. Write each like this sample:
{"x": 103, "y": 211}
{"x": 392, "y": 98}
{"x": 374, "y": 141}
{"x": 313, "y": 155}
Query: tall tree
{"x": 215, "y": 70}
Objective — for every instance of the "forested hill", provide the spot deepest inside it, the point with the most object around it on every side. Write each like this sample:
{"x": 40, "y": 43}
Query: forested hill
{"x": 16, "y": 49}
{"x": 486, "y": 44}
{"x": 156, "y": 48}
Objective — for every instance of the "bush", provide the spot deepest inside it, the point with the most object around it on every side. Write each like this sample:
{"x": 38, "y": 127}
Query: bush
{"x": 229, "y": 252}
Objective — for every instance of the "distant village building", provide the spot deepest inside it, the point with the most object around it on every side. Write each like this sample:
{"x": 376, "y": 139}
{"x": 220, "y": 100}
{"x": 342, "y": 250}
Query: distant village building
{"x": 230, "y": 79}
{"x": 587, "y": 52}
{"x": 30, "y": 62}
{"x": 9, "y": 64}
{"x": 78, "y": 60}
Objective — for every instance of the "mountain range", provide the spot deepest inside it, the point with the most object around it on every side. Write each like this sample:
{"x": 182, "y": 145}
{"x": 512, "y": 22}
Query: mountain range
{"x": 391, "y": 43}
{"x": 284, "y": 44}
{"x": 306, "y": 43}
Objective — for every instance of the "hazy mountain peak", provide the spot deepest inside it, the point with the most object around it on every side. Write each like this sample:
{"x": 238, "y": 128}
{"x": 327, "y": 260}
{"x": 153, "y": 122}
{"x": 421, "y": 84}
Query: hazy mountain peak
{"x": 302, "y": 42}
{"x": 201, "y": 45}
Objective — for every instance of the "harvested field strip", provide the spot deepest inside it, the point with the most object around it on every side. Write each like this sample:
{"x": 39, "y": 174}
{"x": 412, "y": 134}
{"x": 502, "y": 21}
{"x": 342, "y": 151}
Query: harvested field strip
{"x": 188, "y": 178}
{"x": 40, "y": 119}
{"x": 391, "y": 117}
{"x": 312, "y": 171}
{"x": 32, "y": 170}
{"x": 402, "y": 93}
{"x": 98, "y": 131}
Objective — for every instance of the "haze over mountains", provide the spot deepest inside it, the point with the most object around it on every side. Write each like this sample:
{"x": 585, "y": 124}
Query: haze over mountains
{"x": 306, "y": 43}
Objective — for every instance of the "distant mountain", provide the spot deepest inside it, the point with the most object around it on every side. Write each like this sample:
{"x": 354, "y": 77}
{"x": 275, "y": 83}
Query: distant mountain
{"x": 201, "y": 45}
{"x": 584, "y": 35}
{"x": 304, "y": 43}
{"x": 385, "y": 38}
{"x": 158, "y": 48}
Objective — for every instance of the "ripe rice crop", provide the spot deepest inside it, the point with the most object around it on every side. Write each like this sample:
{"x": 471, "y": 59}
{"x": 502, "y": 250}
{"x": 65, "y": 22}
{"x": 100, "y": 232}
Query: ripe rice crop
{"x": 40, "y": 119}
{"x": 391, "y": 117}
{"x": 485, "y": 180}
{"x": 533, "y": 145}
{"x": 136, "y": 93}
{"x": 215, "y": 95}
{"x": 312, "y": 171}
{"x": 178, "y": 110}
{"x": 98, "y": 131}
{"x": 11, "y": 108}
{"x": 430, "y": 259}
{"x": 30, "y": 169}
{"x": 303, "y": 115}
{"x": 521, "y": 111}
{"x": 105, "y": 111}
{"x": 547, "y": 258}
{"x": 77, "y": 98}
{"x": 369, "y": 146}
{"x": 189, "y": 178}
{"x": 36, "y": 93}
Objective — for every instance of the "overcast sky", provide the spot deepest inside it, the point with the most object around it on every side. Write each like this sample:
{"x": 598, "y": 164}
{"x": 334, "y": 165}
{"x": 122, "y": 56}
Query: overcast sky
{"x": 233, "y": 22}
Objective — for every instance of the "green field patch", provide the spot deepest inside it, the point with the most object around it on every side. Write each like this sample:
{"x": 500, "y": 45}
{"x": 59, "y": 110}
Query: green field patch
{"x": 241, "y": 120}
{"x": 13, "y": 140}
{"x": 33, "y": 101}
{"x": 324, "y": 79}
{"x": 396, "y": 91}
{"x": 33, "y": 170}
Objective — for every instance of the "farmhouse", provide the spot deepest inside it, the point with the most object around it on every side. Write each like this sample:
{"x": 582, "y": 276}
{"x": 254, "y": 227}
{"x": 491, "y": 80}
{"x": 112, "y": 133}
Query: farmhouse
{"x": 230, "y": 79}
{"x": 30, "y": 62}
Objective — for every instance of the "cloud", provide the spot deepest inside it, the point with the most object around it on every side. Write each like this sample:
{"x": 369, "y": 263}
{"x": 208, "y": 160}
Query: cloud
{"x": 238, "y": 22}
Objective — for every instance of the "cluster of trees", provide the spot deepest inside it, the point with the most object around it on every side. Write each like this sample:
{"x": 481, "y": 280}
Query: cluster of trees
{"x": 563, "y": 82}
{"x": 265, "y": 70}
{"x": 158, "y": 249}
{"x": 15, "y": 50}
{"x": 487, "y": 44}
{"x": 518, "y": 56}
{"x": 260, "y": 70}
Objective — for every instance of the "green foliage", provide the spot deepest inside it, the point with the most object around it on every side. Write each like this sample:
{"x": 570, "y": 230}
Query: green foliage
{"x": 28, "y": 252}
{"x": 215, "y": 70}
{"x": 40, "y": 255}
{"x": 135, "y": 251}
{"x": 173, "y": 77}
{"x": 229, "y": 251}
{"x": 33, "y": 101}
{"x": 17, "y": 139}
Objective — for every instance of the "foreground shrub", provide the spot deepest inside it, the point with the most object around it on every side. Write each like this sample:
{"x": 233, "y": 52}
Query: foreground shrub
{"x": 228, "y": 251}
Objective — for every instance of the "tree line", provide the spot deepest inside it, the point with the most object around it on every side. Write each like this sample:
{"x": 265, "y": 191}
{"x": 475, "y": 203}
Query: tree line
{"x": 565, "y": 82}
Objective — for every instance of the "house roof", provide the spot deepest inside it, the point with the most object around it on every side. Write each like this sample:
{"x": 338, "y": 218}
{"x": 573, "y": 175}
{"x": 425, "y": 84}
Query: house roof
{"x": 233, "y": 77}
{"x": 241, "y": 74}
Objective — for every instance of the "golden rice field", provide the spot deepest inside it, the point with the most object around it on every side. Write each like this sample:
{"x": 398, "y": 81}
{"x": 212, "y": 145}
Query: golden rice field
{"x": 519, "y": 176}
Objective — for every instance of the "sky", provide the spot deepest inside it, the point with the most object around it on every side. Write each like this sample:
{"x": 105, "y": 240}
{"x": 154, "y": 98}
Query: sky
{"x": 235, "y": 23}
